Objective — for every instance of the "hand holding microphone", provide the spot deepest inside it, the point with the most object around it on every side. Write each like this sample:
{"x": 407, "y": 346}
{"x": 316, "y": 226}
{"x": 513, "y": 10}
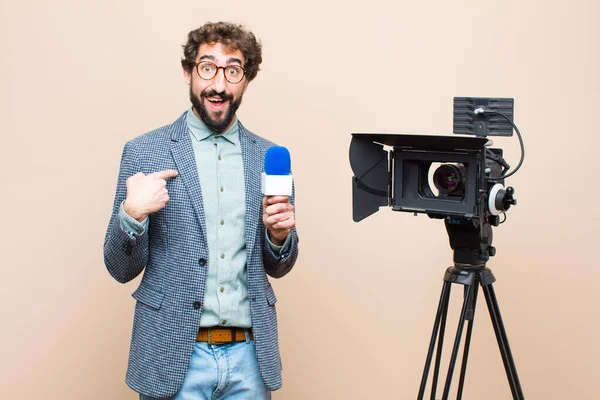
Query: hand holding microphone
{"x": 278, "y": 212}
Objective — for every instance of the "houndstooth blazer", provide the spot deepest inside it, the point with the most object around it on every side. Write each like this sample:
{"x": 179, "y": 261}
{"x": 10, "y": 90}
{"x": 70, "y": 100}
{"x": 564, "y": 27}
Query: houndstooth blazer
{"x": 174, "y": 252}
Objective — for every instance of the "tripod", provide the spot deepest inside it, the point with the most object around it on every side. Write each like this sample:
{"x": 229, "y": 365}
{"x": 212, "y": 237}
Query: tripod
{"x": 470, "y": 271}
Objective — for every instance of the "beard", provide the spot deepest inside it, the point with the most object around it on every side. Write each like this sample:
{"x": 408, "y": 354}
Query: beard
{"x": 216, "y": 125}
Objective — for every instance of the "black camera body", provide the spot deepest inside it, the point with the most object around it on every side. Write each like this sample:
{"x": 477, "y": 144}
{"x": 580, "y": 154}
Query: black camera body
{"x": 403, "y": 179}
{"x": 456, "y": 178}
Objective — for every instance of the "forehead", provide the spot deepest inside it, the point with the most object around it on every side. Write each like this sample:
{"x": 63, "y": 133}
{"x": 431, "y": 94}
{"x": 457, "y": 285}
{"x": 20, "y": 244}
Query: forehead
{"x": 219, "y": 53}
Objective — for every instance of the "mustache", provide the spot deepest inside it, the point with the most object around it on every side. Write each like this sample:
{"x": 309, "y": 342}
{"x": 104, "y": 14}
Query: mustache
{"x": 212, "y": 93}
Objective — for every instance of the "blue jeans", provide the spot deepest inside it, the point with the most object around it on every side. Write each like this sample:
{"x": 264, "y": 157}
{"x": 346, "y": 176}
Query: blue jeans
{"x": 223, "y": 372}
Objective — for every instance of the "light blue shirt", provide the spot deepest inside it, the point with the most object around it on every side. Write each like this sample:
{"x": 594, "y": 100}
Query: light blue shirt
{"x": 221, "y": 174}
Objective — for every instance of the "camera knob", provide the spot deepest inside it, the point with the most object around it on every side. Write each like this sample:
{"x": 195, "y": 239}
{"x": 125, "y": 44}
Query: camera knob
{"x": 508, "y": 199}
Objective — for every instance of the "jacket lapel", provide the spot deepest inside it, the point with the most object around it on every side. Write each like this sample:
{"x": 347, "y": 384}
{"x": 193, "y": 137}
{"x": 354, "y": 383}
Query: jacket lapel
{"x": 183, "y": 154}
{"x": 251, "y": 157}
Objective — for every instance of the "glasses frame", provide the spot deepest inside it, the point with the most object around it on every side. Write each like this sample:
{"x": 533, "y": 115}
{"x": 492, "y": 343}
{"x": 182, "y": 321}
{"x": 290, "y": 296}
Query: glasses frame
{"x": 217, "y": 71}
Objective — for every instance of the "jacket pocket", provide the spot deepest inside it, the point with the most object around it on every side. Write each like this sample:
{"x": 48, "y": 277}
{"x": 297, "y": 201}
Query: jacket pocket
{"x": 148, "y": 296}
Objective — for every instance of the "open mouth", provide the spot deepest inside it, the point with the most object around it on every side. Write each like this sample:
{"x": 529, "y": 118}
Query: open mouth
{"x": 216, "y": 103}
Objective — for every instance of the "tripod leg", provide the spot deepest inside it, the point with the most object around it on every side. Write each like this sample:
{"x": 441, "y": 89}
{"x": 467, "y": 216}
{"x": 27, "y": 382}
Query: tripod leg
{"x": 438, "y": 356}
{"x": 471, "y": 319}
{"x": 440, "y": 311}
{"x": 461, "y": 324}
{"x": 507, "y": 358}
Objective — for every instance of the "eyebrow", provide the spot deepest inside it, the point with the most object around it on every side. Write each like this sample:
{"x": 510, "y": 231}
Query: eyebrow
{"x": 231, "y": 60}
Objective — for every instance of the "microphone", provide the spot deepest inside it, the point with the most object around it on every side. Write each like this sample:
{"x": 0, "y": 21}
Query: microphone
{"x": 276, "y": 180}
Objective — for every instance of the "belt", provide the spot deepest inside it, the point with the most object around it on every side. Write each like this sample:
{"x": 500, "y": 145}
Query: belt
{"x": 220, "y": 335}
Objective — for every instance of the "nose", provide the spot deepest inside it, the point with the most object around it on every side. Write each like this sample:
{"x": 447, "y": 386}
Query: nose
{"x": 219, "y": 82}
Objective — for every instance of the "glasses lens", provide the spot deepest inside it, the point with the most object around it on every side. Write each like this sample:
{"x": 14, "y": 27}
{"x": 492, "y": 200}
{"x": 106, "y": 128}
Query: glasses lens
{"x": 207, "y": 70}
{"x": 234, "y": 73}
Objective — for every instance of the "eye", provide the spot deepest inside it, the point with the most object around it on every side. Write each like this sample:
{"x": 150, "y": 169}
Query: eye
{"x": 233, "y": 71}
{"x": 206, "y": 68}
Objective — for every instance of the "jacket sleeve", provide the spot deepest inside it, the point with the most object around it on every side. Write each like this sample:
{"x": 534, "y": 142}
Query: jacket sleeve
{"x": 279, "y": 264}
{"x": 125, "y": 255}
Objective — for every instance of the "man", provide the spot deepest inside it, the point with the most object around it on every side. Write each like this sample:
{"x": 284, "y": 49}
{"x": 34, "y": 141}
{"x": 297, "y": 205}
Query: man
{"x": 189, "y": 212}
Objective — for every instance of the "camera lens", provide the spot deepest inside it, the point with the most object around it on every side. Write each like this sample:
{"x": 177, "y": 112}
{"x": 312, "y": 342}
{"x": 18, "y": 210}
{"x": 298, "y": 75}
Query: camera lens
{"x": 449, "y": 179}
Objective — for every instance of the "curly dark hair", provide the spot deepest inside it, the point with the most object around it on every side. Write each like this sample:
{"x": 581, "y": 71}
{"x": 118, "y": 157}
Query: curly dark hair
{"x": 233, "y": 36}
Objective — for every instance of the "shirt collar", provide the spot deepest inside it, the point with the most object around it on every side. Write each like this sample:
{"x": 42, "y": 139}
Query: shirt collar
{"x": 200, "y": 131}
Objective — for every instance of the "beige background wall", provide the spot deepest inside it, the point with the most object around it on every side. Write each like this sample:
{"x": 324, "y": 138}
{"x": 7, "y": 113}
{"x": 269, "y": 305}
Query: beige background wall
{"x": 78, "y": 79}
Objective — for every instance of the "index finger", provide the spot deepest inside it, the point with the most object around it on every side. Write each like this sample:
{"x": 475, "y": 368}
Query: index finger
{"x": 168, "y": 173}
{"x": 277, "y": 199}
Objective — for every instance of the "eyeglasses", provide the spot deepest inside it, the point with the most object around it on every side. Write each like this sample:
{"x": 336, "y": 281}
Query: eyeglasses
{"x": 207, "y": 70}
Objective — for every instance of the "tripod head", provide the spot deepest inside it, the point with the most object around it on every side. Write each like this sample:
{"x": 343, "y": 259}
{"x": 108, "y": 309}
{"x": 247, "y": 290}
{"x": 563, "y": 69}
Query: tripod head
{"x": 471, "y": 238}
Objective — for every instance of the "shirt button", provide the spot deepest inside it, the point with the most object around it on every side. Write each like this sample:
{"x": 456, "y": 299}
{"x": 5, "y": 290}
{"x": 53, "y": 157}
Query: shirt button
{"x": 222, "y": 255}
{"x": 222, "y": 222}
{"x": 202, "y": 262}
{"x": 222, "y": 188}
{"x": 222, "y": 289}
{"x": 223, "y": 322}
{"x": 197, "y": 305}
{"x": 219, "y": 158}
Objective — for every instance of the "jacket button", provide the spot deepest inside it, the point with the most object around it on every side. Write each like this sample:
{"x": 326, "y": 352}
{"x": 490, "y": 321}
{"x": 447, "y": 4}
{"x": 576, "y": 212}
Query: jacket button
{"x": 202, "y": 262}
{"x": 197, "y": 305}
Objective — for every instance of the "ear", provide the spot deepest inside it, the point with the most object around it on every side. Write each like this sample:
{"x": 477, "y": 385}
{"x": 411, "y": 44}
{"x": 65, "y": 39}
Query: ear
{"x": 187, "y": 76}
{"x": 245, "y": 86}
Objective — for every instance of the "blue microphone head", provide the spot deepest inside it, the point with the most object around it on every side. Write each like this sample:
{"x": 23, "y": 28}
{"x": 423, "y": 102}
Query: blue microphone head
{"x": 277, "y": 161}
